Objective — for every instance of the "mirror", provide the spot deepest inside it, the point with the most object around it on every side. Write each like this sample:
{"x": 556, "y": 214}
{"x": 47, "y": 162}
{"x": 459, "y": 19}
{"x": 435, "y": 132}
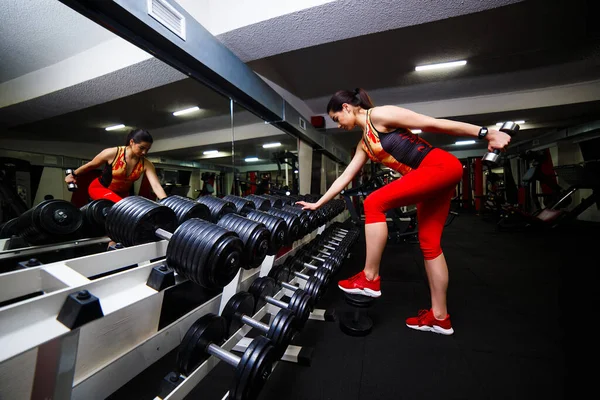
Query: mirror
{"x": 69, "y": 88}
{"x": 265, "y": 157}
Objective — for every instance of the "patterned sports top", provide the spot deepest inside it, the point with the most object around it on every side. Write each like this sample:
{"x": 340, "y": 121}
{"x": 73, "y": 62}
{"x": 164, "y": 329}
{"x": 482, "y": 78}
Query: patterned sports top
{"x": 114, "y": 175}
{"x": 400, "y": 150}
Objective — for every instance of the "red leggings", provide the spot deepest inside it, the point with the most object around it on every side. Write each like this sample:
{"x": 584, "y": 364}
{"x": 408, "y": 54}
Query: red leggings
{"x": 97, "y": 192}
{"x": 431, "y": 187}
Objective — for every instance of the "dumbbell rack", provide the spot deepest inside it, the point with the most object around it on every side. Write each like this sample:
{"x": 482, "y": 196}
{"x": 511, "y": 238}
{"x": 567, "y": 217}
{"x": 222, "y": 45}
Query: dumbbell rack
{"x": 42, "y": 358}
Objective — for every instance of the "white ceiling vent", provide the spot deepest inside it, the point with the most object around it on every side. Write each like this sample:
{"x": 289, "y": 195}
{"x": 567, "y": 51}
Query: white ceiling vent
{"x": 168, "y": 16}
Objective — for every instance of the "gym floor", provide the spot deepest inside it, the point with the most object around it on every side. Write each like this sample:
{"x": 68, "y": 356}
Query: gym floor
{"x": 509, "y": 298}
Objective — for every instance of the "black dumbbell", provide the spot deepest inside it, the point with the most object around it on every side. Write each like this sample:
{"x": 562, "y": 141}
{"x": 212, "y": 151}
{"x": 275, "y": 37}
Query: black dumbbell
{"x": 301, "y": 303}
{"x": 298, "y": 263}
{"x": 238, "y": 312}
{"x": 200, "y": 251}
{"x": 328, "y": 251}
{"x": 314, "y": 286}
{"x": 51, "y": 221}
{"x": 322, "y": 274}
{"x": 94, "y": 217}
{"x": 490, "y": 159}
{"x": 204, "y": 339}
{"x": 71, "y": 186}
{"x": 304, "y": 257}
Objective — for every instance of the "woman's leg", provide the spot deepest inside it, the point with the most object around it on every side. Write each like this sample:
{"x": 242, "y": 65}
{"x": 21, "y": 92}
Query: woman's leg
{"x": 417, "y": 186}
{"x": 431, "y": 216}
{"x": 98, "y": 192}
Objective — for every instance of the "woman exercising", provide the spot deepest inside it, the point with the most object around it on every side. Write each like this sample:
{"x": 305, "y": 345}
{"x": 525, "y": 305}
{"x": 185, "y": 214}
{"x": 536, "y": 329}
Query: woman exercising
{"x": 123, "y": 166}
{"x": 429, "y": 178}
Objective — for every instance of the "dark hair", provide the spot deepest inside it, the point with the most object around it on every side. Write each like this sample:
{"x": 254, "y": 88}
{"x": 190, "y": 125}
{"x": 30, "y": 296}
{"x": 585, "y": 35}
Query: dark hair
{"x": 358, "y": 98}
{"x": 139, "y": 136}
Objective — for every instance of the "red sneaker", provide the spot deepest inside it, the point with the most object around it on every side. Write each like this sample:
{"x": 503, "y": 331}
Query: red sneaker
{"x": 425, "y": 321}
{"x": 359, "y": 284}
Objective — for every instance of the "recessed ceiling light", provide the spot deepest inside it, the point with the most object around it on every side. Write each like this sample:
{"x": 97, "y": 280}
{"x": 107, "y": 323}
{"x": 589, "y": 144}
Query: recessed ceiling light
{"x": 464, "y": 142}
{"x": 451, "y": 64}
{"x": 269, "y": 145}
{"x": 251, "y": 159}
{"x": 114, "y": 127}
{"x": 416, "y": 130}
{"x": 186, "y": 111}
{"x": 208, "y": 152}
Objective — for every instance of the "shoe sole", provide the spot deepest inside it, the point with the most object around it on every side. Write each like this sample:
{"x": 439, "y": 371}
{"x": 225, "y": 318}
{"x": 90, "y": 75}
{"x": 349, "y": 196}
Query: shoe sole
{"x": 434, "y": 329}
{"x": 364, "y": 292}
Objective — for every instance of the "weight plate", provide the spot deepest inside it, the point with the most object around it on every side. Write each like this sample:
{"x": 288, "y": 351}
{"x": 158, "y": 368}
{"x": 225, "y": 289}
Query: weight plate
{"x": 7, "y": 229}
{"x": 192, "y": 352}
{"x": 261, "y": 288}
{"x": 260, "y": 203}
{"x": 57, "y": 217}
{"x": 280, "y": 273}
{"x": 254, "y": 370}
{"x": 241, "y": 303}
{"x": 281, "y": 330}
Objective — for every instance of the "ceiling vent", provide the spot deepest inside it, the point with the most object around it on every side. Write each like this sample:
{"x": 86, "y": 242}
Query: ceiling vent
{"x": 168, "y": 16}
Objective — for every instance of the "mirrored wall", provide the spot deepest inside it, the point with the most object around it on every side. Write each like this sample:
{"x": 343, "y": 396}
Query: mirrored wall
{"x": 69, "y": 89}
{"x": 265, "y": 157}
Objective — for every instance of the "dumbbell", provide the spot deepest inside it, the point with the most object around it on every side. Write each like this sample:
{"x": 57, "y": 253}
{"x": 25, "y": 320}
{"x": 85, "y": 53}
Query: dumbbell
{"x": 243, "y": 206}
{"x": 200, "y": 251}
{"x": 335, "y": 240}
{"x": 51, "y": 221}
{"x": 331, "y": 261}
{"x": 260, "y": 203}
{"x": 205, "y": 338}
{"x": 94, "y": 217}
{"x": 292, "y": 222}
{"x": 339, "y": 233}
{"x": 299, "y": 262}
{"x": 301, "y": 303}
{"x": 186, "y": 208}
{"x": 276, "y": 227}
{"x": 315, "y": 246}
{"x": 71, "y": 186}
{"x": 254, "y": 235}
{"x": 303, "y": 218}
{"x": 238, "y": 312}
{"x": 217, "y": 206}
{"x": 490, "y": 159}
{"x": 323, "y": 274}
{"x": 314, "y": 286}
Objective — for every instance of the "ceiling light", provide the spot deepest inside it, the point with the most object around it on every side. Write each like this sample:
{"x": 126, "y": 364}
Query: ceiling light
{"x": 441, "y": 65}
{"x": 208, "y": 152}
{"x": 114, "y": 127}
{"x": 186, "y": 111}
{"x": 269, "y": 145}
{"x": 251, "y": 159}
{"x": 464, "y": 142}
{"x": 416, "y": 130}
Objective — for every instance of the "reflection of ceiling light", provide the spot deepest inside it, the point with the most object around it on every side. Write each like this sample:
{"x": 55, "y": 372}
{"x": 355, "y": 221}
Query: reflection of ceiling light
{"x": 295, "y": 171}
{"x": 269, "y": 145}
{"x": 251, "y": 159}
{"x": 416, "y": 130}
{"x": 464, "y": 142}
{"x": 516, "y": 122}
{"x": 114, "y": 127}
{"x": 207, "y": 152}
{"x": 441, "y": 65}
{"x": 186, "y": 111}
